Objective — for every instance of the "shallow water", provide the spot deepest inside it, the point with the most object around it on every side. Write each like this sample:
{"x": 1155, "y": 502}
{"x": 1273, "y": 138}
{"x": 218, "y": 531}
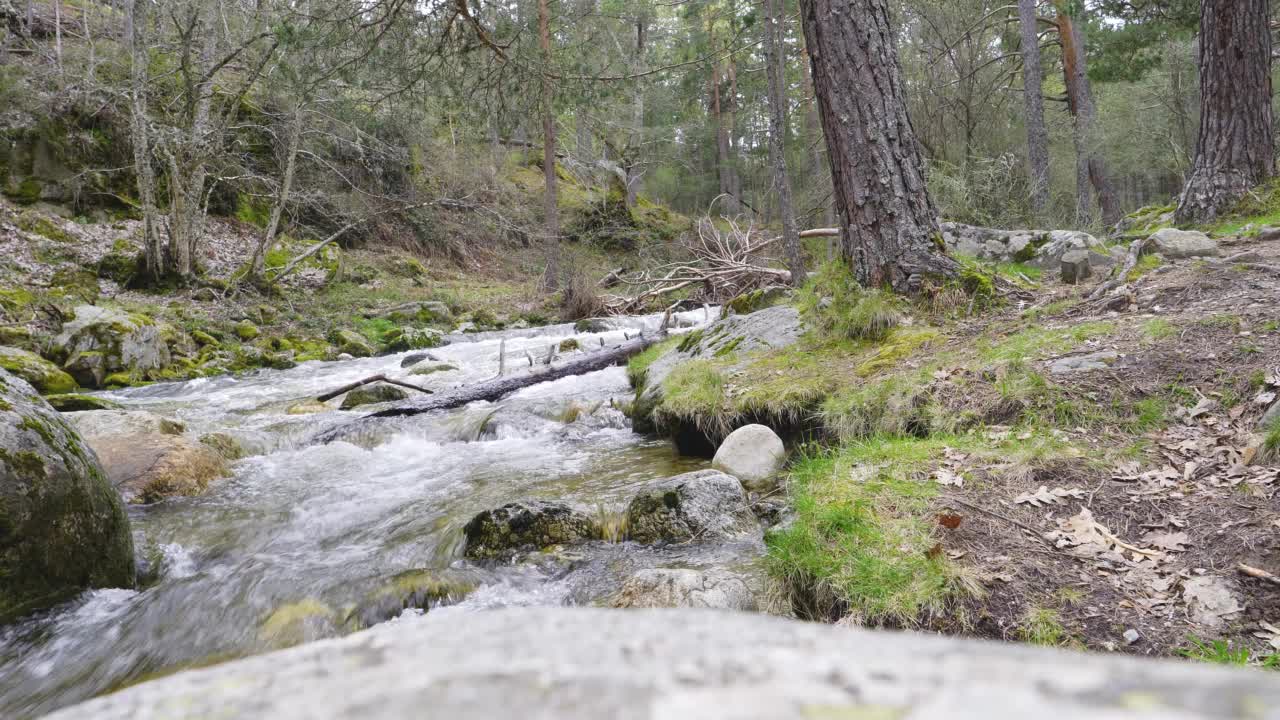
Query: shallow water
{"x": 325, "y": 526}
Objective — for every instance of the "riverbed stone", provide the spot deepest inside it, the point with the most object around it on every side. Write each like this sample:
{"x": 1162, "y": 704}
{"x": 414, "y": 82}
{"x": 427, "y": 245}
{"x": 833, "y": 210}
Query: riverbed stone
{"x": 701, "y": 505}
{"x": 754, "y": 454}
{"x": 100, "y": 341}
{"x": 412, "y": 589}
{"x": 372, "y": 394}
{"x": 587, "y": 663}
{"x": 43, "y": 375}
{"x": 503, "y": 532}
{"x": 62, "y": 527}
{"x": 686, "y": 588}
{"x": 93, "y": 424}
{"x": 415, "y": 358}
{"x": 1173, "y": 243}
{"x": 150, "y": 467}
{"x": 351, "y": 343}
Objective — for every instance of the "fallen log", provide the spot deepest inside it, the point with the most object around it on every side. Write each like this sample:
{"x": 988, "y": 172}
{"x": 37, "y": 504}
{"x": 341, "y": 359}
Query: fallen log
{"x": 366, "y": 381}
{"x": 498, "y": 387}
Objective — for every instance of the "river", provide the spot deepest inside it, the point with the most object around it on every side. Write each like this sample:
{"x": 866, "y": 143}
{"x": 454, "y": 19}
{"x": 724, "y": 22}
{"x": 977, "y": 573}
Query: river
{"x": 321, "y": 527}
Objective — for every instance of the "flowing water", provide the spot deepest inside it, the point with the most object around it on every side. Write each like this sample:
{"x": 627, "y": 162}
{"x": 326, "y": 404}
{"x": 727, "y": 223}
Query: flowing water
{"x": 317, "y": 529}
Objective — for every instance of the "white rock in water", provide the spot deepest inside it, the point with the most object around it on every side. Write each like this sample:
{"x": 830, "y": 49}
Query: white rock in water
{"x": 579, "y": 663}
{"x": 754, "y": 454}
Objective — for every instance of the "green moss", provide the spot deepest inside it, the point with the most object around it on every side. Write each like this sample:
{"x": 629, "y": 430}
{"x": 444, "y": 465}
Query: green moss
{"x": 76, "y": 403}
{"x": 205, "y": 339}
{"x": 26, "y": 192}
{"x": 1042, "y": 626}
{"x": 1146, "y": 264}
{"x": 638, "y": 365}
{"x": 570, "y": 345}
{"x": 34, "y": 222}
{"x": 1028, "y": 253}
{"x": 246, "y": 330}
{"x": 252, "y": 210}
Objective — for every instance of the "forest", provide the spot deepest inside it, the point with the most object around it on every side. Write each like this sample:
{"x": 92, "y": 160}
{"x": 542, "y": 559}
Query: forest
{"x": 488, "y": 341}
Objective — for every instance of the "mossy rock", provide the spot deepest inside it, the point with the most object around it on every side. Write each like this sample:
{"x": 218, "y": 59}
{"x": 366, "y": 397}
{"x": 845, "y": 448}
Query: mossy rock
{"x": 73, "y": 402}
{"x": 352, "y": 343}
{"x": 246, "y": 330}
{"x": 148, "y": 468}
{"x": 99, "y": 342}
{"x": 408, "y": 338}
{"x": 307, "y": 407}
{"x": 63, "y": 528}
{"x": 298, "y": 622}
{"x": 373, "y": 394}
{"x": 121, "y": 266}
{"x": 204, "y": 339}
{"x": 750, "y": 302}
{"x": 17, "y": 336}
{"x": 76, "y": 283}
{"x": 502, "y": 533}
{"x": 412, "y": 589}
{"x": 43, "y": 375}
{"x": 16, "y": 300}
{"x": 570, "y": 345}
{"x": 38, "y": 224}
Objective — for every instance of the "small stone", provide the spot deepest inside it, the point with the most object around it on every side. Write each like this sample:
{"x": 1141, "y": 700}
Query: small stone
{"x": 346, "y": 356}
{"x": 1082, "y": 363}
{"x": 204, "y": 294}
{"x": 1131, "y": 636}
{"x": 1076, "y": 267}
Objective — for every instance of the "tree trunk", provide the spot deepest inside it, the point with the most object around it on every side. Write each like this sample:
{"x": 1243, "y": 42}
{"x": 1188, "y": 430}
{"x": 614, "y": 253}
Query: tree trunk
{"x": 140, "y": 137}
{"x": 775, "y": 65}
{"x": 631, "y": 154}
{"x": 889, "y": 223}
{"x": 1234, "y": 150}
{"x": 1091, "y": 168}
{"x": 258, "y": 265}
{"x": 550, "y": 195}
{"x": 1033, "y": 100}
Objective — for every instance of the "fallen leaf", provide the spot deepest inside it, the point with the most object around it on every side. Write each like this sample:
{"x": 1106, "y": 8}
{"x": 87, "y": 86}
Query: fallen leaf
{"x": 1173, "y": 541}
{"x": 949, "y": 520}
{"x": 943, "y": 476}
{"x": 933, "y": 552}
{"x": 1045, "y": 496}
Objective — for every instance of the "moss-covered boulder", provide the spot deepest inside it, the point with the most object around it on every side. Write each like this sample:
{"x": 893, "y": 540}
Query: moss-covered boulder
{"x": 62, "y": 527}
{"x": 373, "y": 394}
{"x": 18, "y": 336}
{"x": 351, "y": 343}
{"x": 410, "y": 338}
{"x": 246, "y": 330}
{"x": 75, "y": 402}
{"x": 43, "y": 375}
{"x": 150, "y": 467}
{"x": 701, "y": 505}
{"x": 99, "y": 342}
{"x": 501, "y": 533}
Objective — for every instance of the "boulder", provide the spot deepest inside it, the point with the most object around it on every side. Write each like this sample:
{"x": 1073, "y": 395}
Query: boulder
{"x": 100, "y": 341}
{"x": 415, "y": 358}
{"x": 41, "y": 374}
{"x": 410, "y": 338}
{"x": 702, "y": 505}
{"x": 1075, "y": 267}
{"x": 1041, "y": 248}
{"x": 150, "y": 467}
{"x": 431, "y": 368}
{"x": 79, "y": 403}
{"x": 575, "y": 663}
{"x": 502, "y": 533}
{"x": 62, "y": 527}
{"x": 373, "y": 394}
{"x": 92, "y": 424}
{"x": 685, "y": 588}
{"x": 351, "y": 343}
{"x": 754, "y": 454}
{"x": 1173, "y": 243}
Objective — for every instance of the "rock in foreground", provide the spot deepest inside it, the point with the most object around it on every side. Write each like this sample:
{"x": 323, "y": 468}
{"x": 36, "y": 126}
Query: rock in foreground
{"x": 569, "y": 663}
{"x": 62, "y": 527}
{"x": 686, "y": 588}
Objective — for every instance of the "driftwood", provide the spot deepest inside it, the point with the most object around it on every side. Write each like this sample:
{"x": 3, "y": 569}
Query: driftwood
{"x": 369, "y": 380}
{"x": 820, "y": 232}
{"x": 499, "y": 387}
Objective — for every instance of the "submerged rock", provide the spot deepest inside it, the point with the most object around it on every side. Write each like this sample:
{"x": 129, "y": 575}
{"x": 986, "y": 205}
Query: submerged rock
{"x": 93, "y": 424}
{"x": 373, "y": 394}
{"x": 431, "y": 368}
{"x": 43, "y": 375}
{"x": 80, "y": 403}
{"x": 62, "y": 527}
{"x": 101, "y": 341}
{"x": 685, "y": 588}
{"x": 702, "y": 505}
{"x": 412, "y": 589}
{"x": 298, "y": 622}
{"x": 580, "y": 663}
{"x": 150, "y": 467}
{"x": 754, "y": 454}
{"x": 1174, "y": 243}
{"x": 415, "y": 358}
{"x": 501, "y": 533}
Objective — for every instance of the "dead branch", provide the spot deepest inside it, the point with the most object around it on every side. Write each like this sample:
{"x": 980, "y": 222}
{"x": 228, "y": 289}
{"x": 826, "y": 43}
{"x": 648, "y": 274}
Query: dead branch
{"x": 371, "y": 379}
{"x": 1131, "y": 261}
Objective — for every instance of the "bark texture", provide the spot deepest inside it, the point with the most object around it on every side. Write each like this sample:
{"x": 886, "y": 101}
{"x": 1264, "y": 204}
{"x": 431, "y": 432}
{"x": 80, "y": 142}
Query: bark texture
{"x": 1033, "y": 102}
{"x": 890, "y": 225}
{"x": 1091, "y": 168}
{"x": 775, "y": 62}
{"x": 551, "y": 192}
{"x": 1234, "y": 150}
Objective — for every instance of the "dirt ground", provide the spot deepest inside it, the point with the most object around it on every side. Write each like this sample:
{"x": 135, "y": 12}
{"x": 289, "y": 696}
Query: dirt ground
{"x": 1144, "y": 542}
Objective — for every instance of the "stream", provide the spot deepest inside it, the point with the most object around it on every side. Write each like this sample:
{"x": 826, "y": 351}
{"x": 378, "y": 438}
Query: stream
{"x": 324, "y": 526}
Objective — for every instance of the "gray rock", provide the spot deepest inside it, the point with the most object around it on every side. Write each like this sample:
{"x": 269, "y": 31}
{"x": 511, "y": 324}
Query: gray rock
{"x": 1210, "y": 600}
{"x": 1131, "y": 636}
{"x": 701, "y": 505}
{"x": 579, "y": 663}
{"x": 93, "y": 424}
{"x": 1082, "y": 363}
{"x": 62, "y": 527}
{"x": 1076, "y": 267}
{"x": 1270, "y": 418}
{"x": 351, "y": 343}
{"x": 372, "y": 394}
{"x": 431, "y": 368}
{"x": 415, "y": 358}
{"x": 100, "y": 341}
{"x": 516, "y": 527}
{"x": 754, "y": 454}
{"x": 686, "y": 588}
{"x": 1042, "y": 248}
{"x": 1173, "y": 243}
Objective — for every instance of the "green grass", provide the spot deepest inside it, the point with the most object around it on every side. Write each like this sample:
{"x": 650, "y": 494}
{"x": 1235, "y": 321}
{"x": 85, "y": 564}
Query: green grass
{"x": 1037, "y": 341}
{"x": 638, "y": 365}
{"x": 863, "y": 539}
{"x": 1146, "y": 264}
{"x": 1158, "y": 329}
{"x": 1042, "y": 626}
{"x": 1223, "y": 652}
{"x": 1271, "y": 440}
{"x": 838, "y": 307}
